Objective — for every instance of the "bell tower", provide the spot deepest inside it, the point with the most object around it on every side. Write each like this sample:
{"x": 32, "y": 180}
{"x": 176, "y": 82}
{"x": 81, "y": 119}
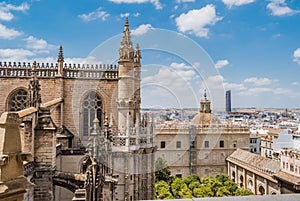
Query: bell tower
{"x": 128, "y": 82}
{"x": 205, "y": 104}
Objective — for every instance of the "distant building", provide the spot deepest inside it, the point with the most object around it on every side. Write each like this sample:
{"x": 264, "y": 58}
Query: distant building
{"x": 263, "y": 175}
{"x": 228, "y": 101}
{"x": 255, "y": 143}
{"x": 267, "y": 143}
{"x": 254, "y": 172}
{"x": 200, "y": 146}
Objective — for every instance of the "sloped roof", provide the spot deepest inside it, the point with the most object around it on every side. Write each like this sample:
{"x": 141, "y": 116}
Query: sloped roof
{"x": 26, "y": 112}
{"x": 255, "y": 161}
{"x": 288, "y": 178}
{"x": 52, "y": 102}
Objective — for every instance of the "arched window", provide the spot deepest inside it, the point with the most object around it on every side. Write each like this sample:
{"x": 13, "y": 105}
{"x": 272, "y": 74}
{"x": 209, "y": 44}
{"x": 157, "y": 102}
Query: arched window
{"x": 91, "y": 107}
{"x": 233, "y": 176}
{"x": 241, "y": 181}
{"x": 250, "y": 184}
{"x": 261, "y": 190}
{"x": 17, "y": 100}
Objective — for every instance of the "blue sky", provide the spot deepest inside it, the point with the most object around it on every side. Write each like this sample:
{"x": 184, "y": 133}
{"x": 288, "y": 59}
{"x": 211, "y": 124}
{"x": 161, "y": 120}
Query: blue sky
{"x": 249, "y": 46}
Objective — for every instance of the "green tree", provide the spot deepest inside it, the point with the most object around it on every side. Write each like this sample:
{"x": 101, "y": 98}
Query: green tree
{"x": 185, "y": 192}
{"x": 213, "y": 183}
{"x": 176, "y": 185}
{"x": 243, "y": 192}
{"x": 231, "y": 186}
{"x": 180, "y": 189}
{"x": 162, "y": 191}
{"x": 162, "y": 170}
{"x": 194, "y": 184}
{"x": 223, "y": 191}
{"x": 203, "y": 191}
{"x": 222, "y": 178}
{"x": 191, "y": 178}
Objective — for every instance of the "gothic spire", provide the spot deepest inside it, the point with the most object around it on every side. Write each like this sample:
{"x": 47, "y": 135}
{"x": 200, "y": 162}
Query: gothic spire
{"x": 126, "y": 51}
{"x": 60, "y": 55}
{"x": 60, "y": 62}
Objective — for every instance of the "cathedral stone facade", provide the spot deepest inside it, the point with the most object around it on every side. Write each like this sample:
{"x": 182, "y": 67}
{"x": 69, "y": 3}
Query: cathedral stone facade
{"x": 82, "y": 126}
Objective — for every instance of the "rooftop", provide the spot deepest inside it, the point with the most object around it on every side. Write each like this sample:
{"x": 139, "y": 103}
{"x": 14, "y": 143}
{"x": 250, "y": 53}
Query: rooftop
{"x": 255, "y": 161}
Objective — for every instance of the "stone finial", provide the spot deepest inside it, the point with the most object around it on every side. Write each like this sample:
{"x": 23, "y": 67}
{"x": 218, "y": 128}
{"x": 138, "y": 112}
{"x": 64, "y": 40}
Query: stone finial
{"x": 126, "y": 26}
{"x": 138, "y": 53}
{"x": 60, "y": 61}
{"x": 60, "y": 55}
{"x": 126, "y": 51}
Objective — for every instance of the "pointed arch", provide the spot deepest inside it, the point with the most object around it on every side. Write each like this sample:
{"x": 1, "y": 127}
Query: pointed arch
{"x": 17, "y": 100}
{"x": 91, "y": 107}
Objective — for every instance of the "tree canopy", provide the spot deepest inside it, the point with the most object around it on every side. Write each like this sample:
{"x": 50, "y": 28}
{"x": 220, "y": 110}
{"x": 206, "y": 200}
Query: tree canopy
{"x": 162, "y": 170}
{"x": 193, "y": 187}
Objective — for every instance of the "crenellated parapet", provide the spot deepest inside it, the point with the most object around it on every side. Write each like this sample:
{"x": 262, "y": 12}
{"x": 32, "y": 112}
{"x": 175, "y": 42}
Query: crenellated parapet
{"x": 50, "y": 70}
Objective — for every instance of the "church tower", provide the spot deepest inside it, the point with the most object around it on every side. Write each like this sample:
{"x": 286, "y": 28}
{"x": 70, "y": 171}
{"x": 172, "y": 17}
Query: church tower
{"x": 205, "y": 104}
{"x": 128, "y": 82}
{"x": 133, "y": 147}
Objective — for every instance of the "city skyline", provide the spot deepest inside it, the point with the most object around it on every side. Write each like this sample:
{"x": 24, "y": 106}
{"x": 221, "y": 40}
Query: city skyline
{"x": 257, "y": 57}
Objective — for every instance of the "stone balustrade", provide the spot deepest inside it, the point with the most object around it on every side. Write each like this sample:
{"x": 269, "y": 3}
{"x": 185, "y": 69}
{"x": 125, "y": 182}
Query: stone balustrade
{"x": 49, "y": 70}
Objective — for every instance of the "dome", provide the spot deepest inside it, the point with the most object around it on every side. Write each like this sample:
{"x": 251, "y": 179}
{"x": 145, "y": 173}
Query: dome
{"x": 205, "y": 119}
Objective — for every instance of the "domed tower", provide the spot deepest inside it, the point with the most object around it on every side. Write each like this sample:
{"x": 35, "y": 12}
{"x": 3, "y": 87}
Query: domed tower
{"x": 129, "y": 82}
{"x": 205, "y": 104}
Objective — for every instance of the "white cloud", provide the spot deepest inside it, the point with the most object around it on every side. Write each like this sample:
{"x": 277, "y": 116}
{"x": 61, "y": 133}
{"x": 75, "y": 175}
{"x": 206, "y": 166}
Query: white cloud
{"x": 15, "y": 54}
{"x": 142, "y": 29}
{"x": 276, "y": 36}
{"x": 180, "y": 72}
{"x": 169, "y": 88}
{"x": 259, "y": 81}
{"x": 5, "y": 10}
{"x": 234, "y": 86}
{"x": 231, "y": 3}
{"x": 256, "y": 91}
{"x": 186, "y": 72}
{"x": 221, "y": 63}
{"x": 23, "y": 55}
{"x": 297, "y": 55}
{"x": 295, "y": 83}
{"x": 281, "y": 91}
{"x": 156, "y": 3}
{"x": 97, "y": 14}
{"x": 7, "y": 33}
{"x": 38, "y": 45}
{"x": 6, "y": 16}
{"x": 197, "y": 21}
{"x": 184, "y": 1}
{"x": 136, "y": 14}
{"x": 87, "y": 60}
{"x": 214, "y": 82}
{"x": 122, "y": 15}
{"x": 279, "y": 8}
